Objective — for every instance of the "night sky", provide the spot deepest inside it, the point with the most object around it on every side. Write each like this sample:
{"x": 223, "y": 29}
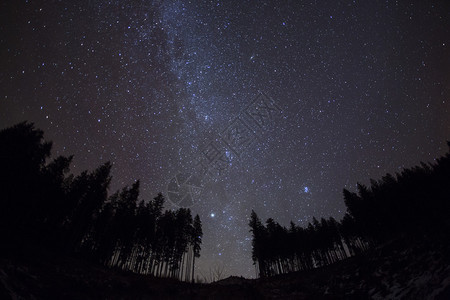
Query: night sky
{"x": 229, "y": 106}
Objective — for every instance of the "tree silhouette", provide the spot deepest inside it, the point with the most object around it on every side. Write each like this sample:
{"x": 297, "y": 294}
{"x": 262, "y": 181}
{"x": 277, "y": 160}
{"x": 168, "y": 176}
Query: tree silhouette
{"x": 414, "y": 201}
{"x": 23, "y": 153}
{"x": 44, "y": 204}
{"x": 196, "y": 239}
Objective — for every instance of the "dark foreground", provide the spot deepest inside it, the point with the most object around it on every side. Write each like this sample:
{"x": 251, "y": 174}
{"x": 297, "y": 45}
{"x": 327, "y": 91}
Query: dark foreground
{"x": 408, "y": 268}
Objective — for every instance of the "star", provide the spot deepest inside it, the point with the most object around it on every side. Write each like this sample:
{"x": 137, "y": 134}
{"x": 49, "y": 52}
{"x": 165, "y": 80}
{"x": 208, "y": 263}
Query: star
{"x": 324, "y": 95}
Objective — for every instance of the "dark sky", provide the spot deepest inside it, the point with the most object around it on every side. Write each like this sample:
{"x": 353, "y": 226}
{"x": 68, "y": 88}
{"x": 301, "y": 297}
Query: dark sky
{"x": 281, "y": 105}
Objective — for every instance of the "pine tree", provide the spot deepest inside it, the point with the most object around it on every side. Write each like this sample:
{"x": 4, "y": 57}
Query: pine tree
{"x": 197, "y": 235}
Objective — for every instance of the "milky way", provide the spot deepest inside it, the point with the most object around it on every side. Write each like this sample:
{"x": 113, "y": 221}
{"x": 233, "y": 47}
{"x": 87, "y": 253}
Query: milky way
{"x": 229, "y": 106}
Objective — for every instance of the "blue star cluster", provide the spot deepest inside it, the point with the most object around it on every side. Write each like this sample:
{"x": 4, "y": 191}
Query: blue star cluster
{"x": 236, "y": 105}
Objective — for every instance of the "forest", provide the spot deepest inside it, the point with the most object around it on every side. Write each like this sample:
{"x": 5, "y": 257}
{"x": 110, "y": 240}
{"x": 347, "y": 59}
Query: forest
{"x": 414, "y": 202}
{"x": 44, "y": 206}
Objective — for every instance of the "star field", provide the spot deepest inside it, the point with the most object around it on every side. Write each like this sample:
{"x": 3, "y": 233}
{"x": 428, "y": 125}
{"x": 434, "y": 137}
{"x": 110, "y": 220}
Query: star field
{"x": 360, "y": 89}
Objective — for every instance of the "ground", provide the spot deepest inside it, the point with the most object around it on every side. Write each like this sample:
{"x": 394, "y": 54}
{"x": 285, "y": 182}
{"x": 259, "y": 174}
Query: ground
{"x": 407, "y": 267}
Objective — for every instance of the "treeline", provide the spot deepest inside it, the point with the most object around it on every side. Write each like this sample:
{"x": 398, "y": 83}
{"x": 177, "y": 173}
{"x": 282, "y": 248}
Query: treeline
{"x": 417, "y": 200}
{"x": 278, "y": 250}
{"x": 43, "y": 204}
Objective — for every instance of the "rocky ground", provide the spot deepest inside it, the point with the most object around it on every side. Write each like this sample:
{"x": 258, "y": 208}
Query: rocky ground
{"x": 406, "y": 268}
